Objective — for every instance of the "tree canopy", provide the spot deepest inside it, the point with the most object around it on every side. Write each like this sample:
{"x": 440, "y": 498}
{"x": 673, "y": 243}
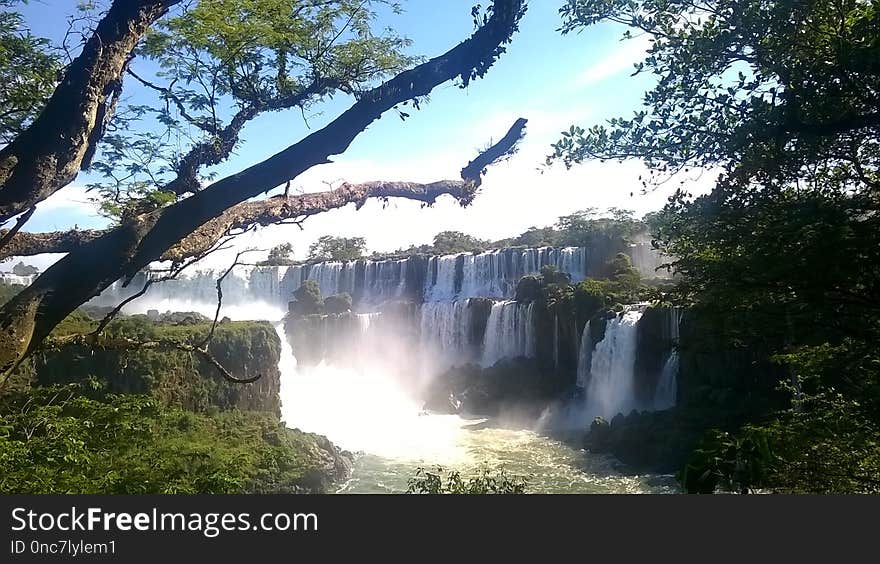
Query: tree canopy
{"x": 780, "y": 97}
{"x": 28, "y": 73}
{"x": 328, "y": 247}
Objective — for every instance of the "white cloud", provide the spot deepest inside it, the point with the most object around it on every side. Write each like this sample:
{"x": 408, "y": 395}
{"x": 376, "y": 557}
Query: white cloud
{"x": 516, "y": 194}
{"x": 69, "y": 197}
{"x": 629, "y": 52}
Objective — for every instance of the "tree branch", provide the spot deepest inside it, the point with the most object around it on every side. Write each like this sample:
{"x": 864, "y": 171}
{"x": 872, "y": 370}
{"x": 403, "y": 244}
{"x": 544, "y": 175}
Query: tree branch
{"x": 29, "y": 244}
{"x": 279, "y": 208}
{"x": 28, "y": 318}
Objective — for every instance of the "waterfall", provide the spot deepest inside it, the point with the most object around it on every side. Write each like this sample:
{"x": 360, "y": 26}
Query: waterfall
{"x": 667, "y": 385}
{"x": 490, "y": 274}
{"x": 328, "y": 275}
{"x": 611, "y": 387}
{"x": 585, "y": 353}
{"x": 665, "y": 395}
{"x": 442, "y": 287}
{"x": 494, "y": 274}
{"x": 510, "y": 332}
{"x": 444, "y": 329}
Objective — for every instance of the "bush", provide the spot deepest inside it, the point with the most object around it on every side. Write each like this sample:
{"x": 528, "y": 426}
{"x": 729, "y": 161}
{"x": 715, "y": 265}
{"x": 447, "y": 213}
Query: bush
{"x": 307, "y": 299}
{"x": 339, "y": 303}
{"x": 59, "y": 440}
{"x": 485, "y": 482}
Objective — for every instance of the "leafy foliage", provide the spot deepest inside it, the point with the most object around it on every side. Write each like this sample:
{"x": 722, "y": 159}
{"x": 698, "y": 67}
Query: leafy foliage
{"x": 766, "y": 89}
{"x": 307, "y": 299}
{"x": 825, "y": 445}
{"x": 66, "y": 439}
{"x": 332, "y": 248}
{"x": 28, "y": 72}
{"x": 451, "y": 242}
{"x": 613, "y": 228}
{"x": 221, "y": 64}
{"x": 279, "y": 255}
{"x": 782, "y": 255}
{"x": 338, "y": 303}
{"x": 452, "y": 482}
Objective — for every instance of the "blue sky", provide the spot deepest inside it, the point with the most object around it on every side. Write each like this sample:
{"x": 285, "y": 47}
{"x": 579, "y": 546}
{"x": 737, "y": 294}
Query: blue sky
{"x": 550, "y": 79}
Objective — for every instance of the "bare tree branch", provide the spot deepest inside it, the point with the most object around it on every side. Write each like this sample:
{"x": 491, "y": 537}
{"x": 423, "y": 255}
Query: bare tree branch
{"x": 29, "y": 244}
{"x": 204, "y": 344}
{"x": 8, "y": 235}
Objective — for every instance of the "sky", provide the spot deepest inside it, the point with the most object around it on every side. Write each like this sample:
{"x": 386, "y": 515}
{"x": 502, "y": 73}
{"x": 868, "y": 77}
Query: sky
{"x": 553, "y": 80}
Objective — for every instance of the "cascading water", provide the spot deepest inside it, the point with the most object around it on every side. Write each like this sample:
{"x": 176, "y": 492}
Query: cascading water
{"x": 510, "y": 332}
{"x": 665, "y": 396}
{"x": 667, "y": 386}
{"x": 611, "y": 389}
{"x": 444, "y": 333}
{"x": 492, "y": 274}
{"x": 368, "y": 412}
{"x": 585, "y": 354}
{"x": 361, "y": 393}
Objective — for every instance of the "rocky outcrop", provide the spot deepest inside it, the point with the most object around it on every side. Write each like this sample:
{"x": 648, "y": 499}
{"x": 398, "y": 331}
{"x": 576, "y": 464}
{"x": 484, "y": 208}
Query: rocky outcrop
{"x": 660, "y": 441}
{"x": 326, "y": 466}
{"x": 173, "y": 376}
{"x": 720, "y": 386}
{"x": 517, "y": 385}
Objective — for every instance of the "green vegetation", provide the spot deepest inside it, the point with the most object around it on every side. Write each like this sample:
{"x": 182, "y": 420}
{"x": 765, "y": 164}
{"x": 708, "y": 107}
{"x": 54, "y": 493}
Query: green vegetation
{"x": 782, "y": 256}
{"x": 67, "y": 439}
{"x": 452, "y": 242}
{"x": 279, "y": 255}
{"x": 307, "y": 300}
{"x": 337, "y": 248}
{"x": 339, "y": 303}
{"x": 170, "y": 375}
{"x": 220, "y": 64}
{"x": 612, "y": 229}
{"x": 108, "y": 420}
{"x": 591, "y": 296}
{"x": 451, "y": 482}
{"x": 28, "y": 73}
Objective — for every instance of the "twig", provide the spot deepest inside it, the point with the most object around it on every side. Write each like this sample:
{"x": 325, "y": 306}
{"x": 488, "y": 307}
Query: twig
{"x": 235, "y": 263}
{"x": 18, "y": 225}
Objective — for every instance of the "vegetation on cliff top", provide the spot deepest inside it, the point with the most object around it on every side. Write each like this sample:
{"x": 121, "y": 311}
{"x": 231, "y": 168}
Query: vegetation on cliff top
{"x": 72, "y": 439}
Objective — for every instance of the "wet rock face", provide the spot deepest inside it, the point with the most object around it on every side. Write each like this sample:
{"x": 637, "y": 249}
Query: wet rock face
{"x": 328, "y": 466}
{"x": 176, "y": 377}
{"x": 480, "y": 308}
{"x": 656, "y": 339}
{"x": 511, "y": 385}
{"x": 314, "y": 338}
{"x": 528, "y": 289}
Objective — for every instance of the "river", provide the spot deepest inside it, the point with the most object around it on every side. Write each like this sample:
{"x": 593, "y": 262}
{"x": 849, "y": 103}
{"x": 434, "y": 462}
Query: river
{"x": 367, "y": 414}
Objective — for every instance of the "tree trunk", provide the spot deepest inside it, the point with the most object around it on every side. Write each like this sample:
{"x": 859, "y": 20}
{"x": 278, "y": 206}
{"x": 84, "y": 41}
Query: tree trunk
{"x": 50, "y": 152}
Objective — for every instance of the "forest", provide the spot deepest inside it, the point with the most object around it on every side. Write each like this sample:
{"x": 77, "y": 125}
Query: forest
{"x": 724, "y": 341}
